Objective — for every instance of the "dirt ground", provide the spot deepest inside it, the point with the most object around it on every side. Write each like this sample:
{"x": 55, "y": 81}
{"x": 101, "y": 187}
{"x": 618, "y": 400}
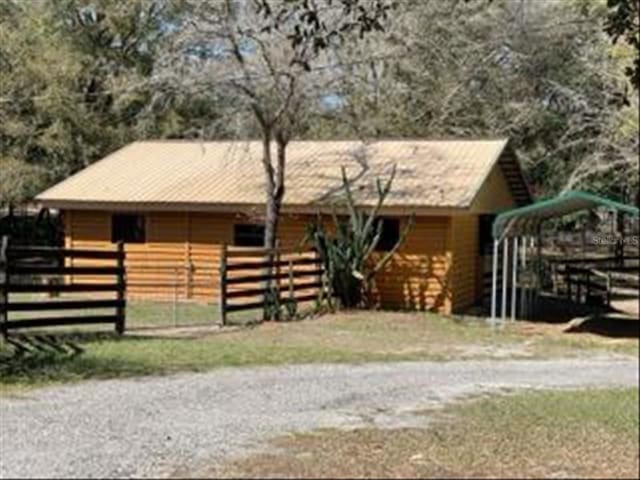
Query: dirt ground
{"x": 532, "y": 434}
{"x": 630, "y": 306}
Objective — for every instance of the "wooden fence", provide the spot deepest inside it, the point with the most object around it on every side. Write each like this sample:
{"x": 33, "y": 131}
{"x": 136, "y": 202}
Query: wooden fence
{"x": 248, "y": 275}
{"x": 582, "y": 282}
{"x": 582, "y": 277}
{"x": 22, "y": 270}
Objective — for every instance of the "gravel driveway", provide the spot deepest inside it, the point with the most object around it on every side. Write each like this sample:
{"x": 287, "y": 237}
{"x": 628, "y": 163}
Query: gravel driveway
{"x": 158, "y": 426}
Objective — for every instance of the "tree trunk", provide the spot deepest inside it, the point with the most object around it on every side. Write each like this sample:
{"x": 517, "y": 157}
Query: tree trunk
{"x": 271, "y": 221}
{"x": 275, "y": 192}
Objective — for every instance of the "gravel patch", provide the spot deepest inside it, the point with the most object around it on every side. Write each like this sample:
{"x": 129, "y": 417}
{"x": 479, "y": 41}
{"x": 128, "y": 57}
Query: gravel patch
{"x": 157, "y": 426}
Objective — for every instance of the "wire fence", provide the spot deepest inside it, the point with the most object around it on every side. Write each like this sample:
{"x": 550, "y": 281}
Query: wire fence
{"x": 166, "y": 300}
{"x": 170, "y": 296}
{"x": 158, "y": 295}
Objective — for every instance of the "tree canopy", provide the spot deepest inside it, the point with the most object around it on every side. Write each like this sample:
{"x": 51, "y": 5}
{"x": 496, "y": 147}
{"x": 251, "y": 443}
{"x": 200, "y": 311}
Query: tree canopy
{"x": 81, "y": 78}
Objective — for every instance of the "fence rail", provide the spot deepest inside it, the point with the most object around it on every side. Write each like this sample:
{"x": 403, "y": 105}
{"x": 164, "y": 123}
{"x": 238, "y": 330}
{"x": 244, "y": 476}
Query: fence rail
{"x": 580, "y": 277}
{"x": 588, "y": 278}
{"x": 16, "y": 261}
{"x": 35, "y": 252}
{"x": 594, "y": 260}
{"x": 249, "y": 275}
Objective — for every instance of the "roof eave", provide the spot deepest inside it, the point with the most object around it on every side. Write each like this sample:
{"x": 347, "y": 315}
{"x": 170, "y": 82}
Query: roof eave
{"x": 244, "y": 208}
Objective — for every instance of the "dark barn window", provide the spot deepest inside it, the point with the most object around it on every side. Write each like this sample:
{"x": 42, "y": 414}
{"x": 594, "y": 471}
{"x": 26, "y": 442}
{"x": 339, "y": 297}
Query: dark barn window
{"x": 248, "y": 235}
{"x": 128, "y": 228}
{"x": 390, "y": 234}
{"x": 485, "y": 234}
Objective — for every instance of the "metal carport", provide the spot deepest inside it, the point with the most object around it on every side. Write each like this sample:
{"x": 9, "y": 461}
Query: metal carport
{"x": 521, "y": 228}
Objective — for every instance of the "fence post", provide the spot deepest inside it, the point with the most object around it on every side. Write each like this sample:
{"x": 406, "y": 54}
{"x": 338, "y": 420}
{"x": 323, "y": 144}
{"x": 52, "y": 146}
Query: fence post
{"x": 190, "y": 278}
{"x": 4, "y": 280}
{"x": 587, "y": 287}
{"x": 223, "y": 285}
{"x": 122, "y": 286}
{"x": 176, "y": 273}
{"x": 579, "y": 287}
{"x": 320, "y": 277}
{"x": 278, "y": 280}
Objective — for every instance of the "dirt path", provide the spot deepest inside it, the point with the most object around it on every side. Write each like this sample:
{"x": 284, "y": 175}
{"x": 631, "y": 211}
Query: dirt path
{"x": 162, "y": 425}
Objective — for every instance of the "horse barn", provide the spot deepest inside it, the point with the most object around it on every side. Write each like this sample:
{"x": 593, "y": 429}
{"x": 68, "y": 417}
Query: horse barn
{"x": 175, "y": 204}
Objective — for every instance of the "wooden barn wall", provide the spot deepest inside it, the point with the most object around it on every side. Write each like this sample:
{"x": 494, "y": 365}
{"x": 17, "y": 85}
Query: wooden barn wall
{"x": 494, "y": 195}
{"x": 418, "y": 276}
{"x": 186, "y": 247}
{"x": 464, "y": 241}
{"x": 181, "y": 255}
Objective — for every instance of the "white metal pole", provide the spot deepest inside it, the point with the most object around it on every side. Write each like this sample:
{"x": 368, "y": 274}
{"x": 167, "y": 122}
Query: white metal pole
{"x": 523, "y": 289}
{"x": 514, "y": 292}
{"x": 505, "y": 276}
{"x": 494, "y": 281}
{"x": 534, "y": 276}
{"x": 538, "y": 267}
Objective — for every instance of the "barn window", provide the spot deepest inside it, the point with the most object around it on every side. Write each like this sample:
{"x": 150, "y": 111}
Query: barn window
{"x": 248, "y": 235}
{"x": 128, "y": 228}
{"x": 485, "y": 234}
{"x": 390, "y": 234}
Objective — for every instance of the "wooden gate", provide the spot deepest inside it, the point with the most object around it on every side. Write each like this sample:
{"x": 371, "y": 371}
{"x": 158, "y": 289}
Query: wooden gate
{"x": 248, "y": 275}
{"x": 26, "y": 270}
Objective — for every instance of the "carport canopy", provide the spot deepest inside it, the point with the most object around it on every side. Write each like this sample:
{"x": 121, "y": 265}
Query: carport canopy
{"x": 518, "y": 228}
{"x": 525, "y": 220}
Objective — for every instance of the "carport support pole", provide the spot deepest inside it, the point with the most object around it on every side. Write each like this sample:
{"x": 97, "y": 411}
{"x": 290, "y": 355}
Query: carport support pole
{"x": 539, "y": 267}
{"x": 505, "y": 276}
{"x": 4, "y": 280}
{"x": 523, "y": 290}
{"x": 494, "y": 281}
{"x": 514, "y": 292}
{"x": 532, "y": 290}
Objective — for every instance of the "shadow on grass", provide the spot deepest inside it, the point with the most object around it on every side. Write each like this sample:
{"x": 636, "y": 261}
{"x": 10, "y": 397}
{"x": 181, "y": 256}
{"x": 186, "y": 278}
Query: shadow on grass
{"x": 608, "y": 326}
{"x": 40, "y": 358}
{"x": 41, "y": 368}
{"x": 555, "y": 309}
{"x": 79, "y": 337}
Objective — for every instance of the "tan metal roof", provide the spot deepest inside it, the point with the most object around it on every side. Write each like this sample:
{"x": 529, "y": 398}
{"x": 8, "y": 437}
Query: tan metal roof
{"x": 172, "y": 173}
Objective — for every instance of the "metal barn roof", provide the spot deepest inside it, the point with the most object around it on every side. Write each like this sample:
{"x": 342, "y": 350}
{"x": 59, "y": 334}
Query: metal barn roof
{"x": 170, "y": 174}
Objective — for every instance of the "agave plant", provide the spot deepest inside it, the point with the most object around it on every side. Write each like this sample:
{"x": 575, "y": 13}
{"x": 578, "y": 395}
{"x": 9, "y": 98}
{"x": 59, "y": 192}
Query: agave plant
{"x": 346, "y": 251}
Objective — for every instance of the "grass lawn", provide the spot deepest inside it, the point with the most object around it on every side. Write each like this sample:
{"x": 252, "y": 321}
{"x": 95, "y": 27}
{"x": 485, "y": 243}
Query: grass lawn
{"x": 345, "y": 337}
{"x": 532, "y": 434}
{"x": 140, "y": 313}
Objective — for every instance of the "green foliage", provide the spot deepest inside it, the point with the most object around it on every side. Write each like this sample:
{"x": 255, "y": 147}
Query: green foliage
{"x": 347, "y": 251}
{"x": 76, "y": 85}
{"x": 623, "y": 21}
{"x": 543, "y": 74}
{"x": 81, "y": 78}
{"x": 19, "y": 180}
{"x": 312, "y": 32}
{"x": 40, "y": 229}
{"x": 278, "y": 308}
{"x": 272, "y": 304}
